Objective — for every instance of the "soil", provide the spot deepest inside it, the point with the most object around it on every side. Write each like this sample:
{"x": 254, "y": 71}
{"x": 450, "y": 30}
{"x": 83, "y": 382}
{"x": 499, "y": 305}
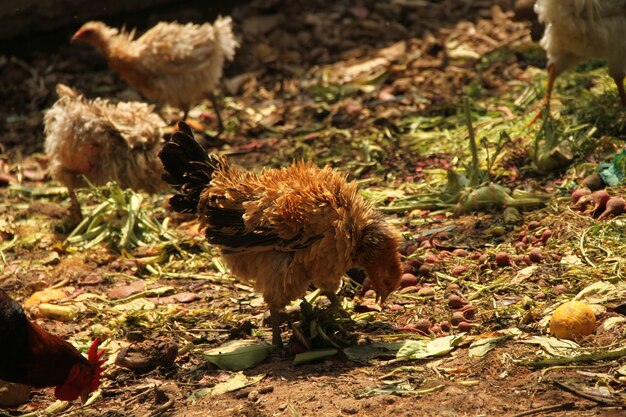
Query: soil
{"x": 295, "y": 90}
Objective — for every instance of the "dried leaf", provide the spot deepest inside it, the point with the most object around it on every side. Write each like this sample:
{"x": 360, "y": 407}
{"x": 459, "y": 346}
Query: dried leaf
{"x": 137, "y": 304}
{"x": 233, "y": 383}
{"x": 482, "y": 346}
{"x": 44, "y": 296}
{"x": 127, "y": 290}
{"x": 556, "y": 347}
{"x": 363, "y": 353}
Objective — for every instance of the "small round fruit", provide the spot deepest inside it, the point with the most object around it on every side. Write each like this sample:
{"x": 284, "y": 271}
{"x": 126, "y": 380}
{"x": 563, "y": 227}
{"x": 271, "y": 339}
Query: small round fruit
{"x": 408, "y": 280}
{"x": 423, "y": 325}
{"x": 535, "y": 255}
{"x": 436, "y": 329}
{"x": 469, "y": 311}
{"x": 503, "y": 259}
{"x": 407, "y": 268}
{"x": 578, "y": 194}
{"x": 534, "y": 225}
{"x": 458, "y": 270}
{"x": 573, "y": 321}
{"x": 460, "y": 253}
{"x": 425, "y": 270}
{"x": 426, "y": 292}
{"x": 465, "y": 326}
{"x": 409, "y": 249}
{"x": 545, "y": 235}
{"x": 454, "y": 301}
{"x": 431, "y": 259}
{"x": 456, "y": 318}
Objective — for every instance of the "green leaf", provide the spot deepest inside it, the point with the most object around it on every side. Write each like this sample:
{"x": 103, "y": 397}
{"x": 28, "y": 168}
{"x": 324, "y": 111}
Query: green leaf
{"x": 233, "y": 383}
{"x": 422, "y": 349}
{"x": 314, "y": 355}
{"x": 613, "y": 173}
{"x": 238, "y": 354}
{"x": 481, "y": 347}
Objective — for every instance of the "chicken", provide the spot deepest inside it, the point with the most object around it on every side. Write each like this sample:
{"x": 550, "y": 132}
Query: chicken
{"x": 577, "y": 30}
{"x": 282, "y": 229}
{"x": 172, "y": 63}
{"x": 102, "y": 141}
{"x": 34, "y": 357}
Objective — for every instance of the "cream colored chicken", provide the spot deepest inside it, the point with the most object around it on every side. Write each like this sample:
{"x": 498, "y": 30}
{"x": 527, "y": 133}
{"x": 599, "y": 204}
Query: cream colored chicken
{"x": 102, "y": 141}
{"x": 172, "y": 63}
{"x": 577, "y": 30}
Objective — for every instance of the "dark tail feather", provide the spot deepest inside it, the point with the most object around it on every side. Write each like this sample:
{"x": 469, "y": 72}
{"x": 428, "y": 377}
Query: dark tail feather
{"x": 188, "y": 168}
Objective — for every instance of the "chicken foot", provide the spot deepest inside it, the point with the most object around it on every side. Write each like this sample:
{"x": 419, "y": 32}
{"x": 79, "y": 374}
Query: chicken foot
{"x": 216, "y": 108}
{"x": 277, "y": 341}
{"x": 332, "y": 297}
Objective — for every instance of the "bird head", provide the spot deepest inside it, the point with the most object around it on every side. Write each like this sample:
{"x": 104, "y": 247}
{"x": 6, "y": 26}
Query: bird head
{"x": 96, "y": 34}
{"x": 379, "y": 256}
{"x": 84, "y": 376}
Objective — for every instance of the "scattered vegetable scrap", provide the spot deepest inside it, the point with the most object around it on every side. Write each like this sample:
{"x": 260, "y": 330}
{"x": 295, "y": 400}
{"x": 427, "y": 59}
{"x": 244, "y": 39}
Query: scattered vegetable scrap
{"x": 432, "y": 243}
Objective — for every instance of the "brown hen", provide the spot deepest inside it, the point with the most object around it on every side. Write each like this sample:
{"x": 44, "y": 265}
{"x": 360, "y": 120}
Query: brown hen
{"x": 101, "y": 141}
{"x": 172, "y": 63}
{"x": 282, "y": 229}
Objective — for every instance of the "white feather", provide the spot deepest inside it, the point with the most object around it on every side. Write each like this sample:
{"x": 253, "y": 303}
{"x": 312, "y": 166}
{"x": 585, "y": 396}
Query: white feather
{"x": 577, "y": 30}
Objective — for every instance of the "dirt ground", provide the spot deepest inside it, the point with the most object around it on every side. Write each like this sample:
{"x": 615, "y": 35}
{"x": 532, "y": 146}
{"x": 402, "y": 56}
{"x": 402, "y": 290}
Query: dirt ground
{"x": 373, "y": 88}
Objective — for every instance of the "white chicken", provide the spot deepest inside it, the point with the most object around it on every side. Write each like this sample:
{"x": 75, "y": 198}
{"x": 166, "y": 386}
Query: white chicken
{"x": 172, "y": 63}
{"x": 577, "y": 30}
{"x": 102, "y": 141}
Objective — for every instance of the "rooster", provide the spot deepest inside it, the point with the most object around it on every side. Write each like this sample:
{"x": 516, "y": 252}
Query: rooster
{"x": 102, "y": 141}
{"x": 577, "y": 30}
{"x": 34, "y": 357}
{"x": 172, "y": 63}
{"x": 285, "y": 228}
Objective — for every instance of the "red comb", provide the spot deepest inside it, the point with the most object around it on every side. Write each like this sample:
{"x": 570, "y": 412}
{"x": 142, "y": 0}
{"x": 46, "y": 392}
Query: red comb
{"x": 93, "y": 355}
{"x": 94, "y": 358}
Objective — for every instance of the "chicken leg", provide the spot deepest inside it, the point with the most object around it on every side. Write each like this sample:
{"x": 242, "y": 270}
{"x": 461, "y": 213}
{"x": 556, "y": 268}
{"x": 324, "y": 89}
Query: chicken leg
{"x": 545, "y": 103}
{"x": 277, "y": 341}
{"x": 216, "y": 108}
{"x": 619, "y": 82}
{"x": 75, "y": 212}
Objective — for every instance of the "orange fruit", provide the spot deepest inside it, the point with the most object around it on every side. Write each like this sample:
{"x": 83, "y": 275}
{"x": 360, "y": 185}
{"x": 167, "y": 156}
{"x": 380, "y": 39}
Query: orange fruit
{"x": 573, "y": 321}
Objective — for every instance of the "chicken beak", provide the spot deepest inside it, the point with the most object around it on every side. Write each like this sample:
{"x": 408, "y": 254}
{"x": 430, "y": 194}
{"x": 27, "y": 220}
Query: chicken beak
{"x": 380, "y": 298}
{"x": 84, "y": 396}
{"x": 75, "y": 37}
